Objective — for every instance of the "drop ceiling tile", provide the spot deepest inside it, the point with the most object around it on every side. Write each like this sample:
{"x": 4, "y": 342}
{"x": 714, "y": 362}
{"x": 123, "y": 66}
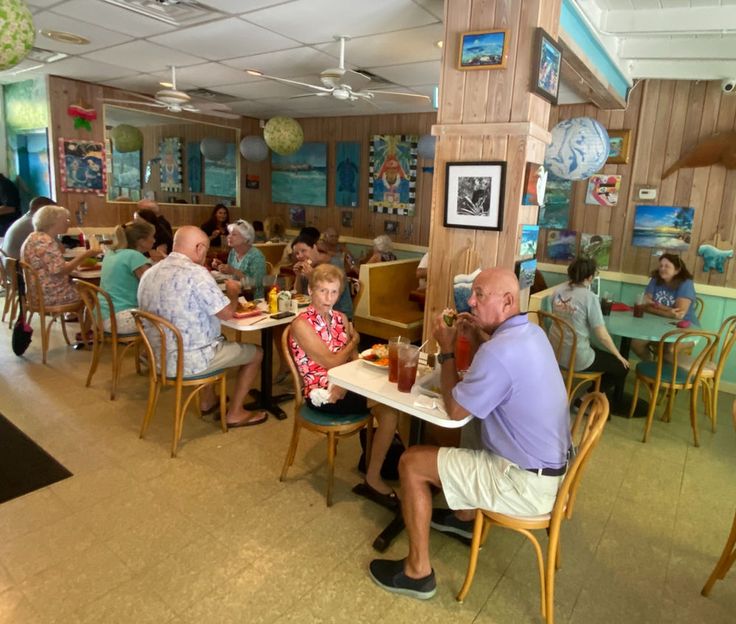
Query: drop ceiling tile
{"x": 435, "y": 7}
{"x": 41, "y": 3}
{"x": 224, "y": 39}
{"x": 143, "y": 83}
{"x": 410, "y": 73}
{"x": 407, "y": 46}
{"x": 236, "y": 7}
{"x": 315, "y": 21}
{"x": 99, "y": 37}
{"x": 112, "y": 17}
{"x": 260, "y": 89}
{"x": 205, "y": 75}
{"x": 145, "y": 56}
{"x": 287, "y": 63}
{"x": 81, "y": 68}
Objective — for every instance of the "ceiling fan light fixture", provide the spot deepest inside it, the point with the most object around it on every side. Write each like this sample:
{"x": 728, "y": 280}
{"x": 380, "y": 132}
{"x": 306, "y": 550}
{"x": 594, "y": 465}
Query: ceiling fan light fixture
{"x": 64, "y": 37}
{"x": 253, "y": 72}
{"x": 341, "y": 94}
{"x": 168, "y": 85}
{"x": 173, "y": 97}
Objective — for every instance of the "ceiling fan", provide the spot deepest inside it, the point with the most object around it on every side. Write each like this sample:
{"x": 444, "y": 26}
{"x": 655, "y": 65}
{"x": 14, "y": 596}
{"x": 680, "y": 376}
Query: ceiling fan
{"x": 176, "y": 101}
{"x": 345, "y": 84}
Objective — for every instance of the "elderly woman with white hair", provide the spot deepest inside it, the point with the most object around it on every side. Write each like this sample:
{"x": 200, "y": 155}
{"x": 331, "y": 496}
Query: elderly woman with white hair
{"x": 243, "y": 259}
{"x": 383, "y": 250}
{"x": 43, "y": 252}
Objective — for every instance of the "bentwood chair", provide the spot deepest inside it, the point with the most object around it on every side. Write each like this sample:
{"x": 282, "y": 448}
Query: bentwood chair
{"x": 356, "y": 290}
{"x": 699, "y": 307}
{"x": 665, "y": 373}
{"x": 594, "y": 408}
{"x": 36, "y": 305}
{"x": 161, "y": 333}
{"x": 329, "y": 425}
{"x": 559, "y": 331}
{"x": 9, "y": 281}
{"x": 120, "y": 343}
{"x": 728, "y": 556}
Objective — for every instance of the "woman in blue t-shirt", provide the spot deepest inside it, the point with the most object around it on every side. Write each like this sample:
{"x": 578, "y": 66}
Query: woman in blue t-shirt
{"x": 670, "y": 293}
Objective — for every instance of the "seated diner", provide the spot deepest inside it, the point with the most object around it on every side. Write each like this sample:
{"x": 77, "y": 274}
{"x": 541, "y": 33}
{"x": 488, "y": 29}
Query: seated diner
{"x": 244, "y": 260}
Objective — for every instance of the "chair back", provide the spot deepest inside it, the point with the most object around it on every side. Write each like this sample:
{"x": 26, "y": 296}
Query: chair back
{"x": 90, "y": 296}
{"x": 699, "y": 307}
{"x": 558, "y": 332}
{"x": 295, "y": 376}
{"x": 34, "y": 291}
{"x": 4, "y": 279}
{"x": 356, "y": 290}
{"x": 726, "y": 338}
{"x": 8, "y": 274}
{"x": 678, "y": 339}
{"x": 586, "y": 432}
{"x": 158, "y": 328}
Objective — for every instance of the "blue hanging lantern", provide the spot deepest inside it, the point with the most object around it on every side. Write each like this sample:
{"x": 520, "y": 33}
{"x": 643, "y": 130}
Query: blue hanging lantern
{"x": 579, "y": 148}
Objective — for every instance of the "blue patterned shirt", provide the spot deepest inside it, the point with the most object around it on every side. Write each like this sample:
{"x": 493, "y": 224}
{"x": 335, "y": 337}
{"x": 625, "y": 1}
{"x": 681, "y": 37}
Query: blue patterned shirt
{"x": 185, "y": 294}
{"x": 252, "y": 264}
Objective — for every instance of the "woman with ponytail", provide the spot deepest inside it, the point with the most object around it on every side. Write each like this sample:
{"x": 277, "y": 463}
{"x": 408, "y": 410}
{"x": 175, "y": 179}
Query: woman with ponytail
{"x": 122, "y": 268}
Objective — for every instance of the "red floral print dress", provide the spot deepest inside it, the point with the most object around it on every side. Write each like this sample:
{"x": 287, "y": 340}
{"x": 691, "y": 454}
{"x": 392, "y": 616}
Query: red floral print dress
{"x": 333, "y": 334}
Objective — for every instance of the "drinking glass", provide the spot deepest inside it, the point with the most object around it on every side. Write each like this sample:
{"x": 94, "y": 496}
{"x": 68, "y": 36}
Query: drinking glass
{"x": 606, "y": 305}
{"x": 408, "y": 362}
{"x": 246, "y": 288}
{"x": 393, "y": 357}
{"x": 462, "y": 354}
{"x": 639, "y": 307}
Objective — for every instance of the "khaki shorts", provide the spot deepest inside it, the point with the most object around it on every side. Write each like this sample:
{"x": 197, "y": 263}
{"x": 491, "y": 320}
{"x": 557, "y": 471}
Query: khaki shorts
{"x": 230, "y": 355}
{"x": 473, "y": 479}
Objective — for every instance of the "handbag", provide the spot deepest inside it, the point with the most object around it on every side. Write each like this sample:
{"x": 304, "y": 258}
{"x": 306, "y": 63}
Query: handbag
{"x": 22, "y": 331}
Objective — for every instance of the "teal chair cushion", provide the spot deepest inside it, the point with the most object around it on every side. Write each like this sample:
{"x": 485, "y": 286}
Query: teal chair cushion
{"x": 328, "y": 420}
{"x": 649, "y": 369}
{"x": 200, "y": 376}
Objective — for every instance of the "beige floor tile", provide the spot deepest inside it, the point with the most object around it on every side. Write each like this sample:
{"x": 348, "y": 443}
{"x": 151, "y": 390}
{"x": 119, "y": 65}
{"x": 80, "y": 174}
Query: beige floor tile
{"x": 132, "y": 601}
{"x": 15, "y": 608}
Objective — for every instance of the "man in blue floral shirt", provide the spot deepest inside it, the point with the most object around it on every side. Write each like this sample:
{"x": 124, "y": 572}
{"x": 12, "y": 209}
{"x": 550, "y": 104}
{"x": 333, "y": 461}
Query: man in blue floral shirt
{"x": 183, "y": 292}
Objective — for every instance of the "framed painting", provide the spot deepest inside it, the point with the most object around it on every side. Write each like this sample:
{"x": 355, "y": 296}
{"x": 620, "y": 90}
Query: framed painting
{"x": 535, "y": 178}
{"x": 297, "y": 216}
{"x": 547, "y": 60}
{"x": 598, "y": 247}
{"x": 170, "y": 172}
{"x": 666, "y": 228}
{"x": 556, "y": 211}
{"x": 301, "y": 177}
{"x": 82, "y": 166}
{"x": 561, "y": 244}
{"x": 528, "y": 240}
{"x": 603, "y": 190}
{"x": 220, "y": 176}
{"x": 393, "y": 173}
{"x": 194, "y": 167}
{"x": 620, "y": 146}
{"x": 525, "y": 270}
{"x": 347, "y": 173}
{"x": 474, "y": 195}
{"x": 126, "y": 171}
{"x": 484, "y": 49}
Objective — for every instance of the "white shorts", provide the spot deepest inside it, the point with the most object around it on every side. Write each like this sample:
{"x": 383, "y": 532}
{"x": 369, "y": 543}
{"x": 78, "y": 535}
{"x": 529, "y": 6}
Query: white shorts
{"x": 230, "y": 355}
{"x": 473, "y": 479}
{"x": 124, "y": 322}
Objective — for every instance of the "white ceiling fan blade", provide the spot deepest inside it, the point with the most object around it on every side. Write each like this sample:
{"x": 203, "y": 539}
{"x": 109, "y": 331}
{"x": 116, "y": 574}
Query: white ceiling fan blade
{"x": 287, "y": 81}
{"x": 152, "y": 102}
{"x": 398, "y": 96}
{"x": 304, "y": 95}
{"x": 221, "y": 114}
{"x": 356, "y": 80}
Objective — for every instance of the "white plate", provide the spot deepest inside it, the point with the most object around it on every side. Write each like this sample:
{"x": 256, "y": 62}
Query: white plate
{"x": 426, "y": 385}
{"x": 367, "y": 353}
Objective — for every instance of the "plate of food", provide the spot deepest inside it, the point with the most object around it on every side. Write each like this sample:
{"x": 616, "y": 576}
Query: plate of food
{"x": 246, "y": 309}
{"x": 301, "y": 300}
{"x": 377, "y": 356}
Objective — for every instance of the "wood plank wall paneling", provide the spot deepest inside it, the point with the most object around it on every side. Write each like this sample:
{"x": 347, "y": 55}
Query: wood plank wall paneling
{"x": 254, "y": 203}
{"x": 667, "y": 118}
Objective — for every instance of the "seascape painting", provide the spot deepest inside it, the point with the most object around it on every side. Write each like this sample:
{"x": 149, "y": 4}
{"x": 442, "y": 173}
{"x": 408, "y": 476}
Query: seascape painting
{"x": 561, "y": 244}
{"x": 347, "y": 173}
{"x": 556, "y": 211}
{"x": 525, "y": 271}
{"x": 667, "y": 228}
{"x": 598, "y": 247}
{"x": 220, "y": 176}
{"x": 194, "y": 167}
{"x": 301, "y": 177}
{"x": 483, "y": 50}
{"x": 529, "y": 238}
{"x": 126, "y": 170}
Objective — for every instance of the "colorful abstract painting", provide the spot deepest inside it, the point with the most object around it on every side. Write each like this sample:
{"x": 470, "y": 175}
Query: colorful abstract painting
{"x": 82, "y": 165}
{"x": 603, "y": 190}
{"x": 393, "y": 173}
{"x": 301, "y": 177}
{"x": 556, "y": 211}
{"x": 347, "y": 173}
{"x": 666, "y": 228}
{"x": 598, "y": 247}
{"x": 561, "y": 244}
{"x": 221, "y": 176}
{"x": 529, "y": 238}
{"x": 170, "y": 166}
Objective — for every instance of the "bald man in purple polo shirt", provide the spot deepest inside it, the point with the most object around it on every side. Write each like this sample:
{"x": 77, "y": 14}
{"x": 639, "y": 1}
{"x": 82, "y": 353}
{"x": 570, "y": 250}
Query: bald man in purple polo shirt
{"x": 515, "y": 389}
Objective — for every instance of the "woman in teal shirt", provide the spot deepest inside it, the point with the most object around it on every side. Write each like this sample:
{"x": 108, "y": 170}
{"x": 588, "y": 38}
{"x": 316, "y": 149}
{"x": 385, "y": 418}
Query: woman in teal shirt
{"x": 243, "y": 259}
{"x": 122, "y": 269}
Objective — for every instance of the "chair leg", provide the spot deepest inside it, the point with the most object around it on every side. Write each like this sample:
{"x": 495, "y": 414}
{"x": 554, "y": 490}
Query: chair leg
{"x": 650, "y": 412}
{"x": 117, "y": 354}
{"x": 64, "y": 332}
{"x": 726, "y": 560}
{"x": 694, "y": 412}
{"x": 291, "y": 453}
{"x": 714, "y": 403}
{"x": 478, "y": 530}
{"x": 368, "y": 441}
{"x": 667, "y": 414}
{"x": 96, "y": 348}
{"x": 153, "y": 391}
{"x": 223, "y": 403}
{"x": 331, "y": 447}
{"x": 45, "y": 332}
{"x": 178, "y": 420}
{"x": 635, "y": 398}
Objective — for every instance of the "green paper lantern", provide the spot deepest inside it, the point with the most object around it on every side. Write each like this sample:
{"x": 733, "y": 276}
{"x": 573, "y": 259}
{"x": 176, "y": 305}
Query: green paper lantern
{"x": 283, "y": 135}
{"x": 18, "y": 33}
{"x": 126, "y": 138}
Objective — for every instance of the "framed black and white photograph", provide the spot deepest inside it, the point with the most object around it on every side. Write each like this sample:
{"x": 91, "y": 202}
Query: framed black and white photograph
{"x": 547, "y": 60}
{"x": 474, "y": 195}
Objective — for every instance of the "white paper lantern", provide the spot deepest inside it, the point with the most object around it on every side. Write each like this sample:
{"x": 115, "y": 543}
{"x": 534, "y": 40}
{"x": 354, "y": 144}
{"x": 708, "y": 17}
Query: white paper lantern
{"x": 579, "y": 148}
{"x": 213, "y": 149}
{"x": 283, "y": 135}
{"x": 18, "y": 33}
{"x": 426, "y": 146}
{"x": 254, "y": 148}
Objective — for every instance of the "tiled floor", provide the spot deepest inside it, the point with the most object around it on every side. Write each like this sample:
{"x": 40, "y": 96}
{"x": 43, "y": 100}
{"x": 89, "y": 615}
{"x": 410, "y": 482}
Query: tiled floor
{"x": 213, "y": 536}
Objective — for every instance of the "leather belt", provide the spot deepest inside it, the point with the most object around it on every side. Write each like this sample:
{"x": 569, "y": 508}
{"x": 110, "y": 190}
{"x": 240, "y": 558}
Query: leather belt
{"x": 548, "y": 472}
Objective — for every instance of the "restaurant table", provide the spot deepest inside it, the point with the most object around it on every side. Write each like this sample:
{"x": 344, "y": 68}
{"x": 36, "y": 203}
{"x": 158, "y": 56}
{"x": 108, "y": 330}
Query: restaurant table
{"x": 372, "y": 382}
{"x": 265, "y": 398}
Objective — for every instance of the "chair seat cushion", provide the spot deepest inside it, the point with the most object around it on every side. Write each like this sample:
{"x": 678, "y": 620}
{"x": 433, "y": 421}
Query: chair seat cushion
{"x": 328, "y": 420}
{"x": 206, "y": 375}
{"x": 649, "y": 369}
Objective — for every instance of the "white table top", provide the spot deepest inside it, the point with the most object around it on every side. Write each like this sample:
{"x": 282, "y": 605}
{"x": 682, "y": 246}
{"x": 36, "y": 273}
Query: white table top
{"x": 372, "y": 382}
{"x": 256, "y": 323}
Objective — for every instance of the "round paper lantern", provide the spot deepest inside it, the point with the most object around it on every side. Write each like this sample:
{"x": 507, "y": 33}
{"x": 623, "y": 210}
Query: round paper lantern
{"x": 254, "y": 148}
{"x": 283, "y": 135}
{"x": 213, "y": 149}
{"x": 578, "y": 149}
{"x": 126, "y": 138}
{"x": 426, "y": 146}
{"x": 16, "y": 25}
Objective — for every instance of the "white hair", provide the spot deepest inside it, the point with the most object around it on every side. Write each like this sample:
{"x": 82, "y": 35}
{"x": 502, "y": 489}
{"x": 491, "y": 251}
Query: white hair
{"x": 383, "y": 243}
{"x": 243, "y": 228}
{"x": 46, "y": 217}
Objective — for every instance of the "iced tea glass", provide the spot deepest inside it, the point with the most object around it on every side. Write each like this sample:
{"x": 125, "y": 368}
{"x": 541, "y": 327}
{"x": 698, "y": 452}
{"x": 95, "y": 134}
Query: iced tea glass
{"x": 408, "y": 362}
{"x": 393, "y": 357}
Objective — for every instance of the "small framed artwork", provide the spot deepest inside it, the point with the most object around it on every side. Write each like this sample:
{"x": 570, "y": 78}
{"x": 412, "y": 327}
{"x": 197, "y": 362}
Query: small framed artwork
{"x": 525, "y": 271}
{"x": 82, "y": 166}
{"x": 528, "y": 242}
{"x": 603, "y": 190}
{"x": 535, "y": 180}
{"x": 474, "y": 195}
{"x": 346, "y": 218}
{"x": 620, "y": 146}
{"x": 485, "y": 49}
{"x": 547, "y": 60}
{"x": 390, "y": 227}
{"x": 561, "y": 244}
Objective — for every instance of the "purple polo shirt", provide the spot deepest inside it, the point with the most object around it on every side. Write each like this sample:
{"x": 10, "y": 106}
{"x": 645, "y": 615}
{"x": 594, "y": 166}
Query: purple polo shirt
{"x": 514, "y": 386}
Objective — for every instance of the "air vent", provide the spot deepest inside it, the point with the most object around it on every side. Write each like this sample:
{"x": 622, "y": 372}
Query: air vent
{"x": 45, "y": 56}
{"x": 210, "y": 96}
{"x": 375, "y": 79}
{"x": 174, "y": 12}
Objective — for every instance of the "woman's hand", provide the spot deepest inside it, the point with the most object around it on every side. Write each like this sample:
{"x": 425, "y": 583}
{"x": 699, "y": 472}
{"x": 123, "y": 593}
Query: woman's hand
{"x": 626, "y": 364}
{"x": 157, "y": 253}
{"x": 336, "y": 393}
{"x": 216, "y": 263}
{"x": 224, "y": 268}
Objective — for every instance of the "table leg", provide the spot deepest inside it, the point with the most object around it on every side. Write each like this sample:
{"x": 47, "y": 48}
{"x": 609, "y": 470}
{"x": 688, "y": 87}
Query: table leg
{"x": 618, "y": 391}
{"x": 264, "y": 398}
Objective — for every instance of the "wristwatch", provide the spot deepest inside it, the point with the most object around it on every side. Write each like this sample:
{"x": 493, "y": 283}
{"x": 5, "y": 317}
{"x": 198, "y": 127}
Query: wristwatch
{"x": 443, "y": 357}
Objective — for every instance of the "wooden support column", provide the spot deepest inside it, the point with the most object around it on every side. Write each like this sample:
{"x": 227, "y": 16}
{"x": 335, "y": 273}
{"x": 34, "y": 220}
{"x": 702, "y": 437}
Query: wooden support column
{"x": 486, "y": 115}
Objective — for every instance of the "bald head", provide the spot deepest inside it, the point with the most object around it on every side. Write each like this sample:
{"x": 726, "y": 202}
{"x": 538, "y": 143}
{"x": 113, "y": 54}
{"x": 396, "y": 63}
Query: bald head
{"x": 148, "y": 204}
{"x": 40, "y": 202}
{"x": 192, "y": 242}
{"x": 495, "y": 296}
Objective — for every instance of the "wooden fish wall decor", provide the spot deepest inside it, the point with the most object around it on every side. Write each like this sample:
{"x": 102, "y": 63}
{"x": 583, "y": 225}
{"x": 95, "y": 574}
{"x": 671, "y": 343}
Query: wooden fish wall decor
{"x": 717, "y": 149}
